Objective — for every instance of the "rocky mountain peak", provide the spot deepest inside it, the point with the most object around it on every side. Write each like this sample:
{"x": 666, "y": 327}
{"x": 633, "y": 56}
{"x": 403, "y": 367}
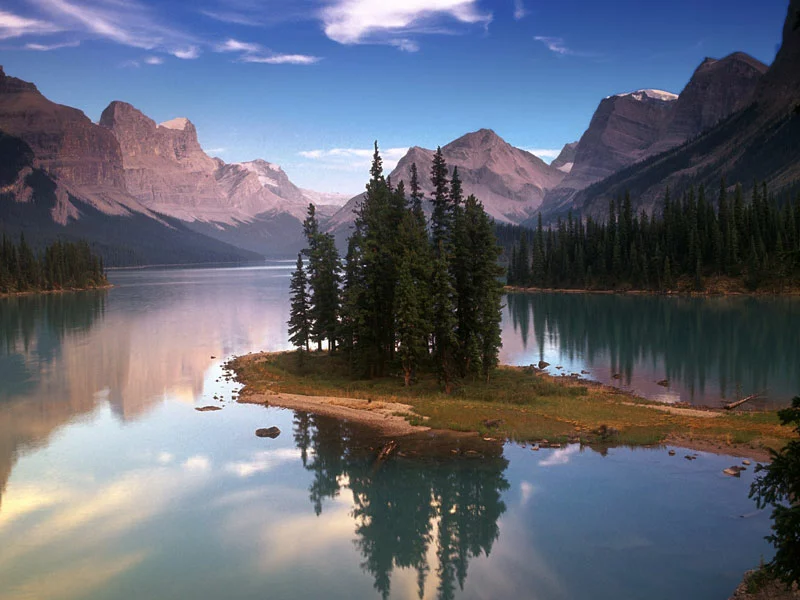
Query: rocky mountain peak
{"x": 140, "y": 136}
{"x": 66, "y": 144}
{"x": 566, "y": 158}
{"x": 781, "y": 84}
{"x": 178, "y": 124}
{"x": 647, "y": 95}
{"x": 717, "y": 89}
{"x": 483, "y": 138}
{"x": 10, "y": 85}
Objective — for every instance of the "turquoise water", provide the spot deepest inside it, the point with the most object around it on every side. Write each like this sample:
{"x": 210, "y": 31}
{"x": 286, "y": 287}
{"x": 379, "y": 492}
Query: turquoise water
{"x": 710, "y": 351}
{"x": 114, "y": 487}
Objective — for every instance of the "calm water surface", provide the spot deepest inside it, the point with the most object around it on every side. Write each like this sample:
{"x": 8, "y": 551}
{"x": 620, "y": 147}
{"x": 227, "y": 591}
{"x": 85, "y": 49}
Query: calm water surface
{"x": 113, "y": 487}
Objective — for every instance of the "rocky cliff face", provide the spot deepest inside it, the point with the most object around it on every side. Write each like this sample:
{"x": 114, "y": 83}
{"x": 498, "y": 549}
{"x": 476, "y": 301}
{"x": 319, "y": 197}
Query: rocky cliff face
{"x": 756, "y": 143}
{"x": 168, "y": 171}
{"x": 83, "y": 159}
{"x": 630, "y": 128}
{"x": 781, "y": 84}
{"x": 164, "y": 166}
{"x": 717, "y": 89}
{"x": 621, "y": 131}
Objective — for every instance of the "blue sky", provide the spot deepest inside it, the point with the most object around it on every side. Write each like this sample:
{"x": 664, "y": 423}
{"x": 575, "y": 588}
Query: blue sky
{"x": 309, "y": 84}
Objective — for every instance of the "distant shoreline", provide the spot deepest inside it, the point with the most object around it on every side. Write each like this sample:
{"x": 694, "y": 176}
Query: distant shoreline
{"x": 62, "y": 291}
{"x": 712, "y": 293}
{"x": 189, "y": 265}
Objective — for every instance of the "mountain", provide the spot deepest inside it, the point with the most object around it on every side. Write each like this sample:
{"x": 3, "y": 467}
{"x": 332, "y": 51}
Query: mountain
{"x": 167, "y": 170}
{"x": 252, "y": 205}
{"x": 629, "y": 128}
{"x": 62, "y": 177}
{"x": 622, "y": 128}
{"x": 67, "y": 177}
{"x": 84, "y": 160}
{"x": 756, "y": 143}
{"x": 510, "y": 182}
{"x": 566, "y": 158}
{"x": 717, "y": 89}
{"x": 32, "y": 202}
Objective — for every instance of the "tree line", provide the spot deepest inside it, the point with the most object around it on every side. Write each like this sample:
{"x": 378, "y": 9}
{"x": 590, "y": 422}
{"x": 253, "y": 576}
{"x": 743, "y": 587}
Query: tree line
{"x": 61, "y": 265}
{"x": 690, "y": 239}
{"x": 410, "y": 292}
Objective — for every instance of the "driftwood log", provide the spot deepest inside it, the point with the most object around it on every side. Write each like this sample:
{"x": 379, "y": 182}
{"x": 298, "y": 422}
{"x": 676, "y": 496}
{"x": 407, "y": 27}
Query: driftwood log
{"x": 732, "y": 405}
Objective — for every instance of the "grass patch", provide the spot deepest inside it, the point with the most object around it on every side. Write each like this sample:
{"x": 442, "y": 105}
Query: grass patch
{"x": 523, "y": 404}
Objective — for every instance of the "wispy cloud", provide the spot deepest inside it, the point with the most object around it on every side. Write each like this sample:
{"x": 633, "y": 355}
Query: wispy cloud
{"x": 12, "y": 26}
{"x": 352, "y": 159}
{"x": 220, "y": 150}
{"x": 554, "y": 44}
{"x": 153, "y": 60}
{"x": 128, "y": 23}
{"x": 256, "y": 53}
{"x": 520, "y": 12}
{"x": 188, "y": 53}
{"x": 233, "y": 18}
{"x": 396, "y": 22}
{"x": 48, "y": 47}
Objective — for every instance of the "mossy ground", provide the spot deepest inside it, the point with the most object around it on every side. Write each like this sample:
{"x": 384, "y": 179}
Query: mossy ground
{"x": 525, "y": 404}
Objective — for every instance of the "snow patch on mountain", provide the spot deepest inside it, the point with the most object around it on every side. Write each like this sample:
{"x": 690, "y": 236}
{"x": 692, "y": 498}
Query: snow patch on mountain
{"x": 264, "y": 170}
{"x": 178, "y": 123}
{"x": 654, "y": 94}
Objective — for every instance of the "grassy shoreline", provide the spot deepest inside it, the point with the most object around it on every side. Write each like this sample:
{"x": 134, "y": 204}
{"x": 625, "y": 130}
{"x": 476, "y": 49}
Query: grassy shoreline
{"x": 714, "y": 286}
{"x": 61, "y": 291}
{"x": 521, "y": 404}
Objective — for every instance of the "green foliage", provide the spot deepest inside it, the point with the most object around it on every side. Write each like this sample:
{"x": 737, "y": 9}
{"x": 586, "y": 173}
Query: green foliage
{"x": 779, "y": 487}
{"x": 323, "y": 281}
{"x": 406, "y": 298}
{"x": 62, "y": 265}
{"x": 691, "y": 239}
{"x": 300, "y": 311}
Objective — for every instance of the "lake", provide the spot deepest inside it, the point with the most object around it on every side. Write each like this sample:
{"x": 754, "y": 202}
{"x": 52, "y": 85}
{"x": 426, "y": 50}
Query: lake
{"x": 113, "y": 487}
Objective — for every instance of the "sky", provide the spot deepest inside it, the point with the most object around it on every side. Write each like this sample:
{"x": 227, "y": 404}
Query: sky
{"x": 310, "y": 84}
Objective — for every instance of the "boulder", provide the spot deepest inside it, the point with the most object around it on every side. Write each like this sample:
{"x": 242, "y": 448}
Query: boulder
{"x": 268, "y": 432}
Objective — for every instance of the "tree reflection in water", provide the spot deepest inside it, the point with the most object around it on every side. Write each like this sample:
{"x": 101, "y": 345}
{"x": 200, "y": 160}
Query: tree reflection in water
{"x": 403, "y": 507}
{"x": 707, "y": 347}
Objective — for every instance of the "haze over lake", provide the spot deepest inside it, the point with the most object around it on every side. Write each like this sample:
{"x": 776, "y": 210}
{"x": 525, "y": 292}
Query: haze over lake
{"x": 113, "y": 486}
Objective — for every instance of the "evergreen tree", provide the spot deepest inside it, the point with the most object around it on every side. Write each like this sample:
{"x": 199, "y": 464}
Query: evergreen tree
{"x": 300, "y": 315}
{"x": 445, "y": 341}
{"x": 441, "y": 217}
{"x": 778, "y": 486}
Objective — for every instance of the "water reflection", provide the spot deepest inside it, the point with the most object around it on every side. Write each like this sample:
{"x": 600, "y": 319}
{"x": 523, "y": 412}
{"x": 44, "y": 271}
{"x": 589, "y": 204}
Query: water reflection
{"x": 429, "y": 516}
{"x": 708, "y": 349}
{"x": 120, "y": 489}
{"x": 151, "y": 337}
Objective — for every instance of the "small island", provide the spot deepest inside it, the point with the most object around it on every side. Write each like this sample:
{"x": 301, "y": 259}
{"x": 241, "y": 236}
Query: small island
{"x": 412, "y": 326}
{"x": 59, "y": 267}
{"x": 523, "y": 404}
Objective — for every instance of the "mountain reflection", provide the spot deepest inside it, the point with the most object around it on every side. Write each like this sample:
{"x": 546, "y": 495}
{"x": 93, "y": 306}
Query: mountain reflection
{"x": 408, "y": 513}
{"x": 62, "y": 356}
{"x": 707, "y": 348}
